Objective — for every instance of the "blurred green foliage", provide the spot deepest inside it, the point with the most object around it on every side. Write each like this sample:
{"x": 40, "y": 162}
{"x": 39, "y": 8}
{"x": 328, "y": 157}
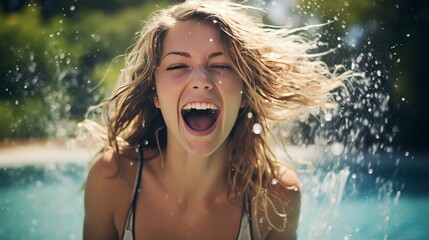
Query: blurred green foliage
{"x": 53, "y": 62}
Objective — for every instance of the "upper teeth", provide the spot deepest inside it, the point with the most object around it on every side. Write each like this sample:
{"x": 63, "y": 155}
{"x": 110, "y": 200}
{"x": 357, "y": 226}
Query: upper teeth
{"x": 200, "y": 106}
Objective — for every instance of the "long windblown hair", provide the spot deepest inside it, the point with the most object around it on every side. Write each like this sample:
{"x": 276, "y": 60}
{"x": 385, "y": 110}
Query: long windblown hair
{"x": 282, "y": 81}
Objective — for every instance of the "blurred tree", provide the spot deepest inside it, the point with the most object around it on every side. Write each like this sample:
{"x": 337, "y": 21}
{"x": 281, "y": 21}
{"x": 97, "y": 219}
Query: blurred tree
{"x": 54, "y": 64}
{"x": 70, "y": 8}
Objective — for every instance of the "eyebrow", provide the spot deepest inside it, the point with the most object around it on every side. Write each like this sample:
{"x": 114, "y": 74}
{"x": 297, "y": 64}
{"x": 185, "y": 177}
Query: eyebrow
{"x": 188, "y": 55}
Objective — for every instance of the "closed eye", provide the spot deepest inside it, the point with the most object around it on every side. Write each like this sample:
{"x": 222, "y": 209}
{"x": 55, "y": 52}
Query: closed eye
{"x": 175, "y": 67}
{"x": 221, "y": 66}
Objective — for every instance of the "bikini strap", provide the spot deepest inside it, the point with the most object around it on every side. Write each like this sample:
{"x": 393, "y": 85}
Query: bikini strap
{"x": 129, "y": 224}
{"x": 137, "y": 181}
{"x": 249, "y": 210}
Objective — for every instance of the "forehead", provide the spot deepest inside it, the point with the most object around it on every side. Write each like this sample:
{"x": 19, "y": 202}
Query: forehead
{"x": 192, "y": 35}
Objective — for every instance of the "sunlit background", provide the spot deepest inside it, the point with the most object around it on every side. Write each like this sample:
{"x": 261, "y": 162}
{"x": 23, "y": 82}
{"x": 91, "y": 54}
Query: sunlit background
{"x": 57, "y": 58}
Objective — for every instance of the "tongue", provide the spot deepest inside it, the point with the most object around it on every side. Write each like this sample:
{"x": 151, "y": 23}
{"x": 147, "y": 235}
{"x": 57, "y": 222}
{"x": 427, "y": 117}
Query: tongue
{"x": 199, "y": 120}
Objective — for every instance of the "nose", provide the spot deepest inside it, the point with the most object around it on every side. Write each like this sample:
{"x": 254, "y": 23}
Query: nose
{"x": 201, "y": 80}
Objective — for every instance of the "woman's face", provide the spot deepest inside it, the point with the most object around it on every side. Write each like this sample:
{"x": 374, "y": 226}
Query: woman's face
{"x": 198, "y": 92}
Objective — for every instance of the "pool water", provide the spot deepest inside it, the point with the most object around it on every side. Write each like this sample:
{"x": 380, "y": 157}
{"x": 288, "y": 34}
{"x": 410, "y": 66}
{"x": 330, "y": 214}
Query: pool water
{"x": 367, "y": 218}
{"x": 46, "y": 202}
{"x": 41, "y": 202}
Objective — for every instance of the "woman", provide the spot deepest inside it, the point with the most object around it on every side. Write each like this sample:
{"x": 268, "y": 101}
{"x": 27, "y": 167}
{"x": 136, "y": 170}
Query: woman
{"x": 189, "y": 152}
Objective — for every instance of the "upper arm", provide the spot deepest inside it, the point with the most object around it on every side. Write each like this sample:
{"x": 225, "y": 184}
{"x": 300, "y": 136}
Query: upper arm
{"x": 99, "y": 218}
{"x": 289, "y": 190}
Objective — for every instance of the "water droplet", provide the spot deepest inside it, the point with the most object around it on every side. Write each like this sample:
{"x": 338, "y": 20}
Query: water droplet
{"x": 72, "y": 8}
{"x": 337, "y": 148}
{"x": 370, "y": 171}
{"x": 274, "y": 181}
{"x": 241, "y": 92}
{"x": 220, "y": 82}
{"x": 249, "y": 115}
{"x": 407, "y": 154}
{"x": 257, "y": 128}
{"x": 145, "y": 142}
{"x": 211, "y": 39}
{"x": 328, "y": 117}
{"x": 378, "y": 73}
{"x": 215, "y": 21}
{"x": 354, "y": 176}
{"x": 131, "y": 163}
{"x": 261, "y": 220}
{"x": 144, "y": 123}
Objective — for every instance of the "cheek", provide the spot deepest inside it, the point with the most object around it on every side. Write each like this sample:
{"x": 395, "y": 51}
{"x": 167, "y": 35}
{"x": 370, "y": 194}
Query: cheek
{"x": 166, "y": 90}
{"x": 164, "y": 96}
{"x": 233, "y": 89}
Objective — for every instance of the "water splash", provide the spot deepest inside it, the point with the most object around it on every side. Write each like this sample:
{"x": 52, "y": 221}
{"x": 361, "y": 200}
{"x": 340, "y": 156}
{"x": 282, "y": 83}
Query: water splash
{"x": 356, "y": 141}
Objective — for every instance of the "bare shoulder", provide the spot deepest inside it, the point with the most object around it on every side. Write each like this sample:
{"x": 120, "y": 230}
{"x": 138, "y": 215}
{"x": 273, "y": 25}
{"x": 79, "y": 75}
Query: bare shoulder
{"x": 115, "y": 166}
{"x": 102, "y": 174}
{"x": 110, "y": 172}
{"x": 105, "y": 165}
{"x": 99, "y": 198}
{"x": 288, "y": 189}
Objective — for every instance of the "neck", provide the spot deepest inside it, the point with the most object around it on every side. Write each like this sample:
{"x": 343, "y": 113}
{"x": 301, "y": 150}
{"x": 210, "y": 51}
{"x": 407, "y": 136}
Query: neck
{"x": 193, "y": 177}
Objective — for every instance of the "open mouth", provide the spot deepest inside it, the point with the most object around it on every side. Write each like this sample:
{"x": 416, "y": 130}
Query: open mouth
{"x": 200, "y": 116}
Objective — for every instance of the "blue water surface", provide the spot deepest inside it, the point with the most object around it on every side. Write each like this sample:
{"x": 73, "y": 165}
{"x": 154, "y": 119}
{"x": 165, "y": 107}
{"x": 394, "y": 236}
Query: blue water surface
{"x": 46, "y": 202}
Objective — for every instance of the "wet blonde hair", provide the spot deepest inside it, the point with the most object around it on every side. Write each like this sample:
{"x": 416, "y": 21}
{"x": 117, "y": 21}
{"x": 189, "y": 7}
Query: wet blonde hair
{"x": 281, "y": 81}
